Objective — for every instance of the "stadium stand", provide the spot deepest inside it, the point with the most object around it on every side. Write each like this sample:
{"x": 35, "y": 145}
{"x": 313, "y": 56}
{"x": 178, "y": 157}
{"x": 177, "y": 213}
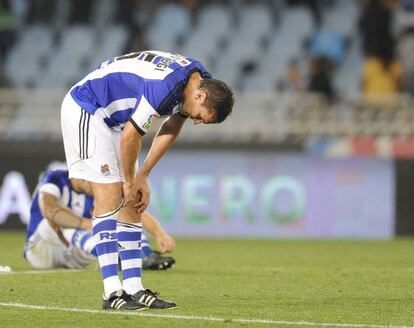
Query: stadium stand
{"x": 249, "y": 44}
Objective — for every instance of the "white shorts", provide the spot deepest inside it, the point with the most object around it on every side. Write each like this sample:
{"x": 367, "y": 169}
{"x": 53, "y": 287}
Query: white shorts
{"x": 44, "y": 250}
{"x": 91, "y": 147}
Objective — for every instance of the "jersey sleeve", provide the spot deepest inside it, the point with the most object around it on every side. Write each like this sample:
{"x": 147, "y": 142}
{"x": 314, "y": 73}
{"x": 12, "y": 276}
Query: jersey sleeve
{"x": 53, "y": 183}
{"x": 198, "y": 66}
{"x": 144, "y": 116}
{"x": 50, "y": 188}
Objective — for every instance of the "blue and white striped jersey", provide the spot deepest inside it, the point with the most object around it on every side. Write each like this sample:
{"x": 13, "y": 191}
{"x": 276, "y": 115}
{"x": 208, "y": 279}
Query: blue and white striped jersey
{"x": 57, "y": 183}
{"x": 139, "y": 86}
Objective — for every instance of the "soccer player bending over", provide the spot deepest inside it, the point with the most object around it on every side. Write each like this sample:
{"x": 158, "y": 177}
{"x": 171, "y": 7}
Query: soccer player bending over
{"x": 58, "y": 234}
{"x": 104, "y": 117}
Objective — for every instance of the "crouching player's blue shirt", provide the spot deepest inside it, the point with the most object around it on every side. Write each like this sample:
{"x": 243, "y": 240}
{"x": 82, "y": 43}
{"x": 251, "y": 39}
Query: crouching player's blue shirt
{"x": 57, "y": 183}
{"x": 138, "y": 87}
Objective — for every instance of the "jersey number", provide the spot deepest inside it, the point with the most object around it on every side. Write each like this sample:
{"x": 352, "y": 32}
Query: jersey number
{"x": 148, "y": 56}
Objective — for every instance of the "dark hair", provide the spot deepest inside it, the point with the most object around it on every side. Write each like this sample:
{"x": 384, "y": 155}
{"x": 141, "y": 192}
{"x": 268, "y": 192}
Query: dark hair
{"x": 220, "y": 98}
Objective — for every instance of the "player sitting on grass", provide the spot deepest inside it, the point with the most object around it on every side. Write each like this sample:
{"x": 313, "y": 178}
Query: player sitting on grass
{"x": 59, "y": 235}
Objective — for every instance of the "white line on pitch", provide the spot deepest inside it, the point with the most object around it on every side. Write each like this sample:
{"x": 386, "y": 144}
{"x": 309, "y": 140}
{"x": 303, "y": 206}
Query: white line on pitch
{"x": 242, "y": 269}
{"x": 407, "y": 269}
{"x": 40, "y": 271}
{"x": 199, "y": 318}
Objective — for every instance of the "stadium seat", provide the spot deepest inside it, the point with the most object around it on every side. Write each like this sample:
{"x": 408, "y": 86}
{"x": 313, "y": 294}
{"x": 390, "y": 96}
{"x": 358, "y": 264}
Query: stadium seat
{"x": 230, "y": 62}
{"x": 33, "y": 45}
{"x": 284, "y": 44}
{"x": 69, "y": 57}
{"x": 171, "y": 23}
{"x": 111, "y": 44}
{"x": 214, "y": 26}
{"x": 342, "y": 17}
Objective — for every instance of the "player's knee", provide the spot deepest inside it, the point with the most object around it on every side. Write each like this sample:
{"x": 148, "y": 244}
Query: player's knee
{"x": 108, "y": 198}
{"x": 129, "y": 214}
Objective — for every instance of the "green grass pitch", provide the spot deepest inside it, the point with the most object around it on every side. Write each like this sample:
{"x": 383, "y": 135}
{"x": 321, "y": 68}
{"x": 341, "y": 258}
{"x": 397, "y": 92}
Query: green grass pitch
{"x": 229, "y": 283}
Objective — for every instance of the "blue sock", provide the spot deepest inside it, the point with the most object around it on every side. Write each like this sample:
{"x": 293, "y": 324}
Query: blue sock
{"x": 129, "y": 239}
{"x": 146, "y": 247}
{"x": 106, "y": 241}
{"x": 83, "y": 240}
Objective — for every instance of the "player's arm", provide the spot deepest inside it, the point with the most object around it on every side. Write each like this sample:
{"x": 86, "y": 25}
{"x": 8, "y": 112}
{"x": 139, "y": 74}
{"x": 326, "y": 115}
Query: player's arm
{"x": 163, "y": 140}
{"x": 60, "y": 216}
{"x": 129, "y": 150}
{"x": 164, "y": 241}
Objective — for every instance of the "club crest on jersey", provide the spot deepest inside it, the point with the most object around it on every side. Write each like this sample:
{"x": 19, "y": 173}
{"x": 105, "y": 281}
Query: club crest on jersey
{"x": 105, "y": 170}
{"x": 184, "y": 62}
{"x": 150, "y": 120}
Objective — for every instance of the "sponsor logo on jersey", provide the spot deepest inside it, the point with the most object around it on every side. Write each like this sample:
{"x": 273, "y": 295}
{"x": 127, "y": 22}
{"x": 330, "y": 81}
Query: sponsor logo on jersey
{"x": 164, "y": 63}
{"x": 105, "y": 170}
{"x": 149, "y": 121}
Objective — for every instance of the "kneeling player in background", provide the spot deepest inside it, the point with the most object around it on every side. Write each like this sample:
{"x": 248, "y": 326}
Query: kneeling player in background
{"x": 59, "y": 235}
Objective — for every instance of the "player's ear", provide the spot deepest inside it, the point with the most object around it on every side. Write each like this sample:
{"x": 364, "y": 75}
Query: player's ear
{"x": 201, "y": 95}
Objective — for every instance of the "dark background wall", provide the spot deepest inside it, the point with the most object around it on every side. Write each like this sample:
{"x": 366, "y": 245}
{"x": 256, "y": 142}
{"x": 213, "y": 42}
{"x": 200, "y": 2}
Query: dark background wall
{"x": 28, "y": 158}
{"x": 405, "y": 197}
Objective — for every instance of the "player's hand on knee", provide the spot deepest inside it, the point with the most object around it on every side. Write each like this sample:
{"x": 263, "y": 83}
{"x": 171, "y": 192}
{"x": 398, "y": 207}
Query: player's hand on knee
{"x": 144, "y": 192}
{"x": 142, "y": 200}
{"x": 130, "y": 194}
